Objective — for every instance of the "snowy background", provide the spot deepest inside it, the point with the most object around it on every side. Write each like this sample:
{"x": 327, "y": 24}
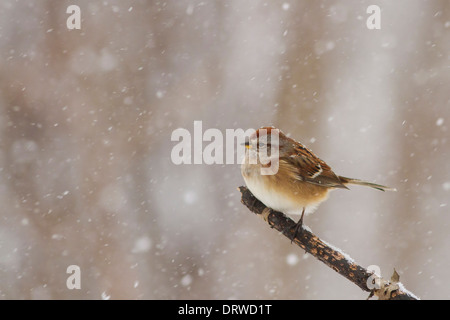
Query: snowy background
{"x": 86, "y": 118}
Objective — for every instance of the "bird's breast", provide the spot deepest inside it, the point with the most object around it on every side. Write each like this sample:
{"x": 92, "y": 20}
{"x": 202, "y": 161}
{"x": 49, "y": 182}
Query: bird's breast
{"x": 282, "y": 193}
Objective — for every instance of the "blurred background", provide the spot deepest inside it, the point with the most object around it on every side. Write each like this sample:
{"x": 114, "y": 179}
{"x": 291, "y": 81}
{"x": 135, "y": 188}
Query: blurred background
{"x": 86, "y": 118}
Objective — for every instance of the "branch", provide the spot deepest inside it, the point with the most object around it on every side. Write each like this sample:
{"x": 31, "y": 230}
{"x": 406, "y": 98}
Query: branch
{"x": 333, "y": 257}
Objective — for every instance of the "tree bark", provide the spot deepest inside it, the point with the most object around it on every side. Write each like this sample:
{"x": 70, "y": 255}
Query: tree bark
{"x": 333, "y": 257}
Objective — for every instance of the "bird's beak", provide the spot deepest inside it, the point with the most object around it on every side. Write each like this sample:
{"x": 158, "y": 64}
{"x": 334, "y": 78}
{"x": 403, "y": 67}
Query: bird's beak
{"x": 246, "y": 144}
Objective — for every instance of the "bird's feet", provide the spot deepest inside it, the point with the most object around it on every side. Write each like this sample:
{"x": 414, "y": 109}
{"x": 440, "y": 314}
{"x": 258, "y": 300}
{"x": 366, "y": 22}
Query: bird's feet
{"x": 298, "y": 227}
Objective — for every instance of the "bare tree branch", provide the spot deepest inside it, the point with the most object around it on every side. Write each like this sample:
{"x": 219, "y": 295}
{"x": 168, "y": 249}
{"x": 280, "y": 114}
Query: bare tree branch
{"x": 334, "y": 258}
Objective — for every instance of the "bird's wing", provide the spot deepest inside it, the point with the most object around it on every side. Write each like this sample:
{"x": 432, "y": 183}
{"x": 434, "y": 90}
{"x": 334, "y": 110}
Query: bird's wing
{"x": 311, "y": 169}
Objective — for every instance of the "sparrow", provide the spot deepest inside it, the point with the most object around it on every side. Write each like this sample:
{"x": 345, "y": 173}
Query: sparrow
{"x": 301, "y": 180}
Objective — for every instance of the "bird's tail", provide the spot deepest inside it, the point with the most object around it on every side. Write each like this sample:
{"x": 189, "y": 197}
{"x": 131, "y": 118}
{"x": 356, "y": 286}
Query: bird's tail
{"x": 345, "y": 181}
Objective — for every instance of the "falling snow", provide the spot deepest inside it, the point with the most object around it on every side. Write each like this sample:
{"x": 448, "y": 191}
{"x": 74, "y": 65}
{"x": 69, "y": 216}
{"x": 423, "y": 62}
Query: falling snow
{"x": 286, "y": 6}
{"x": 87, "y": 116}
{"x": 186, "y": 280}
{"x": 292, "y": 259}
{"x": 142, "y": 245}
{"x": 446, "y": 186}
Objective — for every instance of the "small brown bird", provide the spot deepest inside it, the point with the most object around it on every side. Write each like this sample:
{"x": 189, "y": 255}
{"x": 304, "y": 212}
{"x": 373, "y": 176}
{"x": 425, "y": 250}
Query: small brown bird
{"x": 302, "y": 180}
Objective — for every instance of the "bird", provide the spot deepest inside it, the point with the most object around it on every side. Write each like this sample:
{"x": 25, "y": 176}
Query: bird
{"x": 300, "y": 180}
